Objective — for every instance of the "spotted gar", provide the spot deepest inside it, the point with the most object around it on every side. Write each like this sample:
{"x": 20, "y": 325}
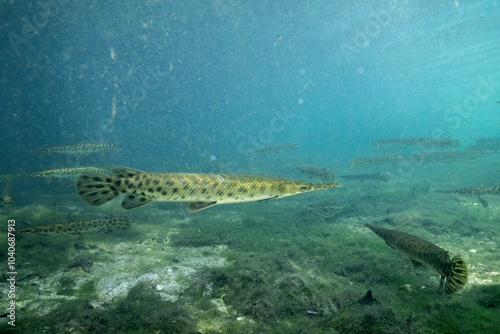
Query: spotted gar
{"x": 453, "y": 271}
{"x": 105, "y": 224}
{"x": 70, "y": 173}
{"x": 80, "y": 148}
{"x": 200, "y": 190}
{"x": 474, "y": 191}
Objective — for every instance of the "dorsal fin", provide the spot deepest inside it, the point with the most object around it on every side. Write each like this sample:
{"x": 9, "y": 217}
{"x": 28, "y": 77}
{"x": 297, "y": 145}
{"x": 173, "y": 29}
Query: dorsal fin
{"x": 126, "y": 172}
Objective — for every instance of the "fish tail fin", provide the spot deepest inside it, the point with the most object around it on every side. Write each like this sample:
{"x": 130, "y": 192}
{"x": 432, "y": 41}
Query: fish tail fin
{"x": 457, "y": 278}
{"x": 97, "y": 188}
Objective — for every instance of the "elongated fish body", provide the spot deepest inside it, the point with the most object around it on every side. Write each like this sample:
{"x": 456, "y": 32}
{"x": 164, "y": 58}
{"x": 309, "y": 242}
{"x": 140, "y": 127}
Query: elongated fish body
{"x": 200, "y": 190}
{"x": 474, "y": 191}
{"x": 70, "y": 173}
{"x": 105, "y": 224}
{"x": 453, "y": 271}
{"x": 419, "y": 141}
{"x": 79, "y": 148}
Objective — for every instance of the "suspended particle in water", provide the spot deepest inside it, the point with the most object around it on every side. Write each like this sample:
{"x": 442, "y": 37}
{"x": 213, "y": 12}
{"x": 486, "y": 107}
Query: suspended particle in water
{"x": 213, "y": 157}
{"x": 301, "y": 101}
{"x": 302, "y": 71}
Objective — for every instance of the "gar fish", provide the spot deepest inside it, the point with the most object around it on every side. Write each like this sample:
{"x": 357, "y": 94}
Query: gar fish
{"x": 105, "y": 224}
{"x": 453, "y": 271}
{"x": 317, "y": 172}
{"x": 418, "y": 141}
{"x": 474, "y": 191}
{"x": 201, "y": 190}
{"x": 364, "y": 177}
{"x": 277, "y": 148}
{"x": 80, "y": 148}
{"x": 71, "y": 173}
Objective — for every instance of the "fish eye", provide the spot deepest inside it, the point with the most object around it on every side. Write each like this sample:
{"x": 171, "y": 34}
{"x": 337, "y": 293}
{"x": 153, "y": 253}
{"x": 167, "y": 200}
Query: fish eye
{"x": 303, "y": 188}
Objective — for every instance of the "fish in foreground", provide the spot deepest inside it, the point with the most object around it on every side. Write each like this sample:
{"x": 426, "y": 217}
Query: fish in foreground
{"x": 105, "y": 224}
{"x": 453, "y": 271}
{"x": 70, "y": 173}
{"x": 80, "y": 148}
{"x": 200, "y": 190}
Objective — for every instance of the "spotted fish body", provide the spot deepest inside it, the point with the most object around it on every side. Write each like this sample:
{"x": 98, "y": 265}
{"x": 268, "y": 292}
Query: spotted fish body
{"x": 79, "y": 148}
{"x": 71, "y": 173}
{"x": 99, "y": 224}
{"x": 419, "y": 141}
{"x": 453, "y": 271}
{"x": 474, "y": 191}
{"x": 200, "y": 190}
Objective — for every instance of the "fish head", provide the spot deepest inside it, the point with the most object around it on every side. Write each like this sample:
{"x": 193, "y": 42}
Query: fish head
{"x": 297, "y": 187}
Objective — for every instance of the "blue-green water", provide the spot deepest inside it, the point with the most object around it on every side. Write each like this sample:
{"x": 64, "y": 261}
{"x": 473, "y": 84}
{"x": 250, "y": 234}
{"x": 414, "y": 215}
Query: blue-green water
{"x": 199, "y": 87}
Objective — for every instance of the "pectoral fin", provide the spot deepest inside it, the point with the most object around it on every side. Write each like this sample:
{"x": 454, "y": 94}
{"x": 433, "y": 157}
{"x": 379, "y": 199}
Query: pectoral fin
{"x": 197, "y": 206}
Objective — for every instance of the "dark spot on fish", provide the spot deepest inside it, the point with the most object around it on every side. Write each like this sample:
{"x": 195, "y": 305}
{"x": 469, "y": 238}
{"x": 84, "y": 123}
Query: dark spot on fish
{"x": 230, "y": 194}
{"x": 175, "y": 190}
{"x": 105, "y": 192}
{"x": 118, "y": 183}
{"x": 204, "y": 190}
{"x": 219, "y": 192}
{"x": 95, "y": 193}
{"x": 183, "y": 196}
{"x": 143, "y": 194}
{"x": 109, "y": 180}
{"x": 51, "y": 229}
{"x": 148, "y": 181}
{"x": 151, "y": 190}
{"x": 127, "y": 182}
{"x": 81, "y": 192}
{"x": 85, "y": 177}
{"x": 193, "y": 191}
{"x": 142, "y": 199}
{"x": 164, "y": 193}
{"x": 169, "y": 183}
{"x": 97, "y": 179}
{"x": 140, "y": 184}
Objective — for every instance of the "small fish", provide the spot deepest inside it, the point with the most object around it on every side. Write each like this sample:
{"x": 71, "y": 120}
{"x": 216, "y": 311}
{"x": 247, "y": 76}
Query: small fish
{"x": 80, "y": 148}
{"x": 277, "y": 148}
{"x": 474, "y": 191}
{"x": 105, "y": 224}
{"x": 363, "y": 177}
{"x": 453, "y": 271}
{"x": 317, "y": 172}
{"x": 7, "y": 201}
{"x": 200, "y": 190}
{"x": 419, "y": 141}
{"x": 70, "y": 173}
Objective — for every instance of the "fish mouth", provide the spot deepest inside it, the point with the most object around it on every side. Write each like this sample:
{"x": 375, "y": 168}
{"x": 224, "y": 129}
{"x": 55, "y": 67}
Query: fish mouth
{"x": 457, "y": 278}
